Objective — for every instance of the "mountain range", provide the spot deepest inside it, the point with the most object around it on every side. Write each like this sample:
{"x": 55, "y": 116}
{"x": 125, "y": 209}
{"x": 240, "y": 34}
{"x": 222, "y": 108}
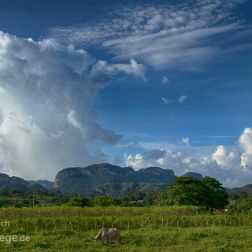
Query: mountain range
{"x": 111, "y": 180}
{"x": 104, "y": 180}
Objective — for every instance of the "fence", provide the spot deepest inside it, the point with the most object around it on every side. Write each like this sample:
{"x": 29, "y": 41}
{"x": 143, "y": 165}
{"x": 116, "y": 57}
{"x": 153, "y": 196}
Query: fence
{"x": 27, "y": 225}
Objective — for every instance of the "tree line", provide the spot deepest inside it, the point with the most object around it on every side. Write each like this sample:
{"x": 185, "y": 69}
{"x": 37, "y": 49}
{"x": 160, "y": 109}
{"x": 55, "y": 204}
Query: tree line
{"x": 206, "y": 193}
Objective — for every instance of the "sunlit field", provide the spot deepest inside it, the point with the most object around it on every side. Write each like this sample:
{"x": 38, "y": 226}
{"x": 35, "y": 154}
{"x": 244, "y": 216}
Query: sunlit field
{"x": 143, "y": 229}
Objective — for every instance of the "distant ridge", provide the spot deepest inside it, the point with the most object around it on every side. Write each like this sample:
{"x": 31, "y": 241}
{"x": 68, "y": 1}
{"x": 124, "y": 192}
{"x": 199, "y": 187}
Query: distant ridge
{"x": 45, "y": 183}
{"x": 103, "y": 180}
{"x": 16, "y": 182}
{"x": 6, "y": 180}
{"x": 193, "y": 175}
{"x": 112, "y": 180}
{"x": 245, "y": 189}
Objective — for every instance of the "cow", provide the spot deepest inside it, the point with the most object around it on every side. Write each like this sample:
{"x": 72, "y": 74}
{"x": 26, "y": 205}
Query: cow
{"x": 108, "y": 234}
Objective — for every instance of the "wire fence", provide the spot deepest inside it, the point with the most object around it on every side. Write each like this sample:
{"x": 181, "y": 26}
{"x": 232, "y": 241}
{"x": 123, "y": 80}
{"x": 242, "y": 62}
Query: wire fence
{"x": 93, "y": 223}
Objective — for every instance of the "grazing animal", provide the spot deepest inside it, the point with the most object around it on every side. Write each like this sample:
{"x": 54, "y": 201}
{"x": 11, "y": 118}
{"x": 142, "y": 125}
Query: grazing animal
{"x": 108, "y": 234}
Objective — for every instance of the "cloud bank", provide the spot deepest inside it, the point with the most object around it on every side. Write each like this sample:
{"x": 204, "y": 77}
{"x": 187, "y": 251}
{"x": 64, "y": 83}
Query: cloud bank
{"x": 232, "y": 165}
{"x": 179, "y": 36}
{"x": 46, "y": 117}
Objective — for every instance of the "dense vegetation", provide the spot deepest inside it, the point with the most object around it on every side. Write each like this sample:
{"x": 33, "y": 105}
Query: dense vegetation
{"x": 178, "y": 219}
{"x": 206, "y": 193}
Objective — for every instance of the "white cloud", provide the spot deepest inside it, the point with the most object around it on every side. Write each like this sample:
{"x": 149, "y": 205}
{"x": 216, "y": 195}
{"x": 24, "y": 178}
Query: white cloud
{"x": 166, "y": 100}
{"x": 71, "y": 118}
{"x": 165, "y": 80}
{"x": 224, "y": 158}
{"x": 109, "y": 69}
{"x": 46, "y": 117}
{"x": 187, "y": 160}
{"x": 149, "y": 158}
{"x": 135, "y": 161}
{"x": 245, "y": 141}
{"x": 182, "y": 99}
{"x": 186, "y": 141}
{"x": 179, "y": 36}
{"x": 221, "y": 162}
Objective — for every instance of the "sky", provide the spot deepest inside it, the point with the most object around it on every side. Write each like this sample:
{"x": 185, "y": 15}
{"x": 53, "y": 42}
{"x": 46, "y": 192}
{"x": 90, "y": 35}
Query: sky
{"x": 134, "y": 83}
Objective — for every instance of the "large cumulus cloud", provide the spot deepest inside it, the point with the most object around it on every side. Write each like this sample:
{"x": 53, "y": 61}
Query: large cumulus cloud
{"x": 232, "y": 165}
{"x": 245, "y": 141}
{"x": 46, "y": 94}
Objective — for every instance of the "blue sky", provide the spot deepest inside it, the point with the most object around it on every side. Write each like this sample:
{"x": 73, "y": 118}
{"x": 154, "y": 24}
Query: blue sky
{"x": 167, "y": 83}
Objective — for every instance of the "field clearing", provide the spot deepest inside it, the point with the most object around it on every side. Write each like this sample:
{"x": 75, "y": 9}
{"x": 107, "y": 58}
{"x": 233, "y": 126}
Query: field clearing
{"x": 143, "y": 229}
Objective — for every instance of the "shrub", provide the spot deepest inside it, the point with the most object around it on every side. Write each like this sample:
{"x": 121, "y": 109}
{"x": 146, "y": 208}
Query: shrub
{"x": 80, "y": 202}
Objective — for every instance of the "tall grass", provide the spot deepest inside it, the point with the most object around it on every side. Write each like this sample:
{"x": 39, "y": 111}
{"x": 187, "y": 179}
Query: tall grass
{"x": 143, "y": 229}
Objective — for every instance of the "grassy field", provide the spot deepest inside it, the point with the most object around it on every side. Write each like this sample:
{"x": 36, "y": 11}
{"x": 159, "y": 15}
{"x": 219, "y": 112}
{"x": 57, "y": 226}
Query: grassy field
{"x": 143, "y": 229}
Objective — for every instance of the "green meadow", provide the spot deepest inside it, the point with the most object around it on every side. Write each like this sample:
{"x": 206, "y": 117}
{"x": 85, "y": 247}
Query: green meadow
{"x": 143, "y": 229}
